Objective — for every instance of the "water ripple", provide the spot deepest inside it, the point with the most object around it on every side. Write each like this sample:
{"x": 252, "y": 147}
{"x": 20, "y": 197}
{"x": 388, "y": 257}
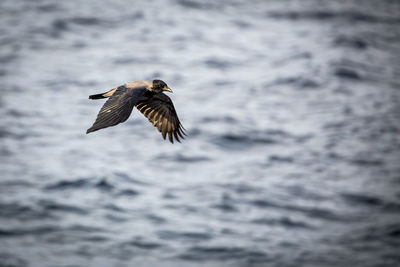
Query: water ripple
{"x": 291, "y": 158}
{"x": 200, "y": 253}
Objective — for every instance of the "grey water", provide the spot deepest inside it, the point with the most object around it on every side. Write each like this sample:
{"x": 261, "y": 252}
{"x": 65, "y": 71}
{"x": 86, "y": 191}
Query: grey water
{"x": 292, "y": 110}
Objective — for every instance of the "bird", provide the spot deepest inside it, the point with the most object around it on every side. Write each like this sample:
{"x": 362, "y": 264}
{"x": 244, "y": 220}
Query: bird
{"x": 148, "y": 98}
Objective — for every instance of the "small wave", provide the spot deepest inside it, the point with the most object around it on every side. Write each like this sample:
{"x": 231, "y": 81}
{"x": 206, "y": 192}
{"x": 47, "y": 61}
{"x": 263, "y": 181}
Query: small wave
{"x": 47, "y": 8}
{"x": 128, "y": 192}
{"x": 6, "y": 133}
{"x": 297, "y": 82}
{"x": 115, "y": 218}
{"x": 85, "y": 20}
{"x": 52, "y": 206}
{"x": 83, "y": 183}
{"x": 350, "y": 16}
{"x": 337, "y": 125}
{"x": 202, "y": 253}
{"x": 362, "y": 199}
{"x": 241, "y": 188}
{"x": 263, "y": 203}
{"x": 193, "y": 4}
{"x": 73, "y": 184}
{"x": 84, "y": 228}
{"x": 104, "y": 185}
{"x": 227, "y": 119}
{"x": 393, "y": 230}
{"x": 23, "y": 212}
{"x": 139, "y": 243}
{"x": 28, "y": 231}
{"x": 360, "y": 160}
{"x": 351, "y": 42}
{"x": 391, "y": 207}
{"x": 347, "y": 73}
{"x": 226, "y": 204}
{"x": 304, "y": 193}
{"x": 114, "y": 207}
{"x": 226, "y": 207}
{"x": 63, "y": 24}
{"x": 280, "y": 159}
{"x": 6, "y": 59}
{"x": 215, "y": 63}
{"x": 59, "y": 26}
{"x": 222, "y": 82}
{"x": 241, "y": 24}
{"x": 366, "y": 162}
{"x": 268, "y": 137}
{"x": 127, "y": 60}
{"x": 191, "y": 159}
{"x": 19, "y": 114}
{"x": 285, "y": 222}
{"x": 10, "y": 260}
{"x": 183, "y": 158}
{"x": 227, "y": 140}
{"x": 95, "y": 238}
{"x": 371, "y": 201}
{"x": 156, "y": 219}
{"x": 182, "y": 207}
{"x": 326, "y": 214}
{"x": 319, "y": 213}
{"x": 173, "y": 235}
{"x": 128, "y": 178}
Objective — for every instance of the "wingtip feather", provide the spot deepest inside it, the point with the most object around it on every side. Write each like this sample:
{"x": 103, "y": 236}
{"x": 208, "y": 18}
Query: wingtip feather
{"x": 171, "y": 139}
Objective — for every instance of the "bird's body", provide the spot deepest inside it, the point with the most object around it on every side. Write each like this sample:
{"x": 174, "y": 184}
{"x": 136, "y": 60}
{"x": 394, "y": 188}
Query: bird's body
{"x": 149, "y": 99}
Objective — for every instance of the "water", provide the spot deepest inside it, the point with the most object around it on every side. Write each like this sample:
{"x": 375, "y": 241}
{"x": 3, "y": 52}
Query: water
{"x": 292, "y": 110}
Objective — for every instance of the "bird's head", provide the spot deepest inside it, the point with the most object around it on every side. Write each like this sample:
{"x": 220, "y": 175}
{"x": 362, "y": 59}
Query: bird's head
{"x": 159, "y": 86}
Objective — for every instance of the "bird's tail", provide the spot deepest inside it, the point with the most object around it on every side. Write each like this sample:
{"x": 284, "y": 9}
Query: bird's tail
{"x": 98, "y": 96}
{"x": 103, "y": 95}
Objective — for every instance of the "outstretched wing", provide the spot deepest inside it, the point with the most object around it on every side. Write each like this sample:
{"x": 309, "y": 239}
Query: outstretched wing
{"x": 117, "y": 108}
{"x": 161, "y": 112}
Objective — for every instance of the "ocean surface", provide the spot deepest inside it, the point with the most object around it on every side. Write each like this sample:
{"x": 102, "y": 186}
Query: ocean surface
{"x": 292, "y": 111}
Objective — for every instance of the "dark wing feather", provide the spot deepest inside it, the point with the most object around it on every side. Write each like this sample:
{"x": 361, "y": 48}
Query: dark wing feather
{"x": 161, "y": 112}
{"x": 117, "y": 108}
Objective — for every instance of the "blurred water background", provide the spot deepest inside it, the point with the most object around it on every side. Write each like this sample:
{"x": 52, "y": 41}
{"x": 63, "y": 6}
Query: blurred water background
{"x": 292, "y": 110}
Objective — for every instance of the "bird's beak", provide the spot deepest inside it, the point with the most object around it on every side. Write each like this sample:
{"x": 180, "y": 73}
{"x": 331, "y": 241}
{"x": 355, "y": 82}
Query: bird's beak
{"x": 167, "y": 89}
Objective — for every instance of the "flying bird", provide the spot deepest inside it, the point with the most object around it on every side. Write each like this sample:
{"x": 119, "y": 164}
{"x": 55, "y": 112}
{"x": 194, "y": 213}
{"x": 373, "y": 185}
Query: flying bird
{"x": 148, "y": 98}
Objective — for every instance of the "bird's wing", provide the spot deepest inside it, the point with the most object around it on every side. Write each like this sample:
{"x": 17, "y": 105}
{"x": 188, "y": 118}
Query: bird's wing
{"x": 117, "y": 108}
{"x": 161, "y": 112}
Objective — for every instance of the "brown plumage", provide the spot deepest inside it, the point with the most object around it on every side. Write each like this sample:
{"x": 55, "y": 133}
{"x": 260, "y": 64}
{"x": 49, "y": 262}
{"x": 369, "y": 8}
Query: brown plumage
{"x": 149, "y": 99}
